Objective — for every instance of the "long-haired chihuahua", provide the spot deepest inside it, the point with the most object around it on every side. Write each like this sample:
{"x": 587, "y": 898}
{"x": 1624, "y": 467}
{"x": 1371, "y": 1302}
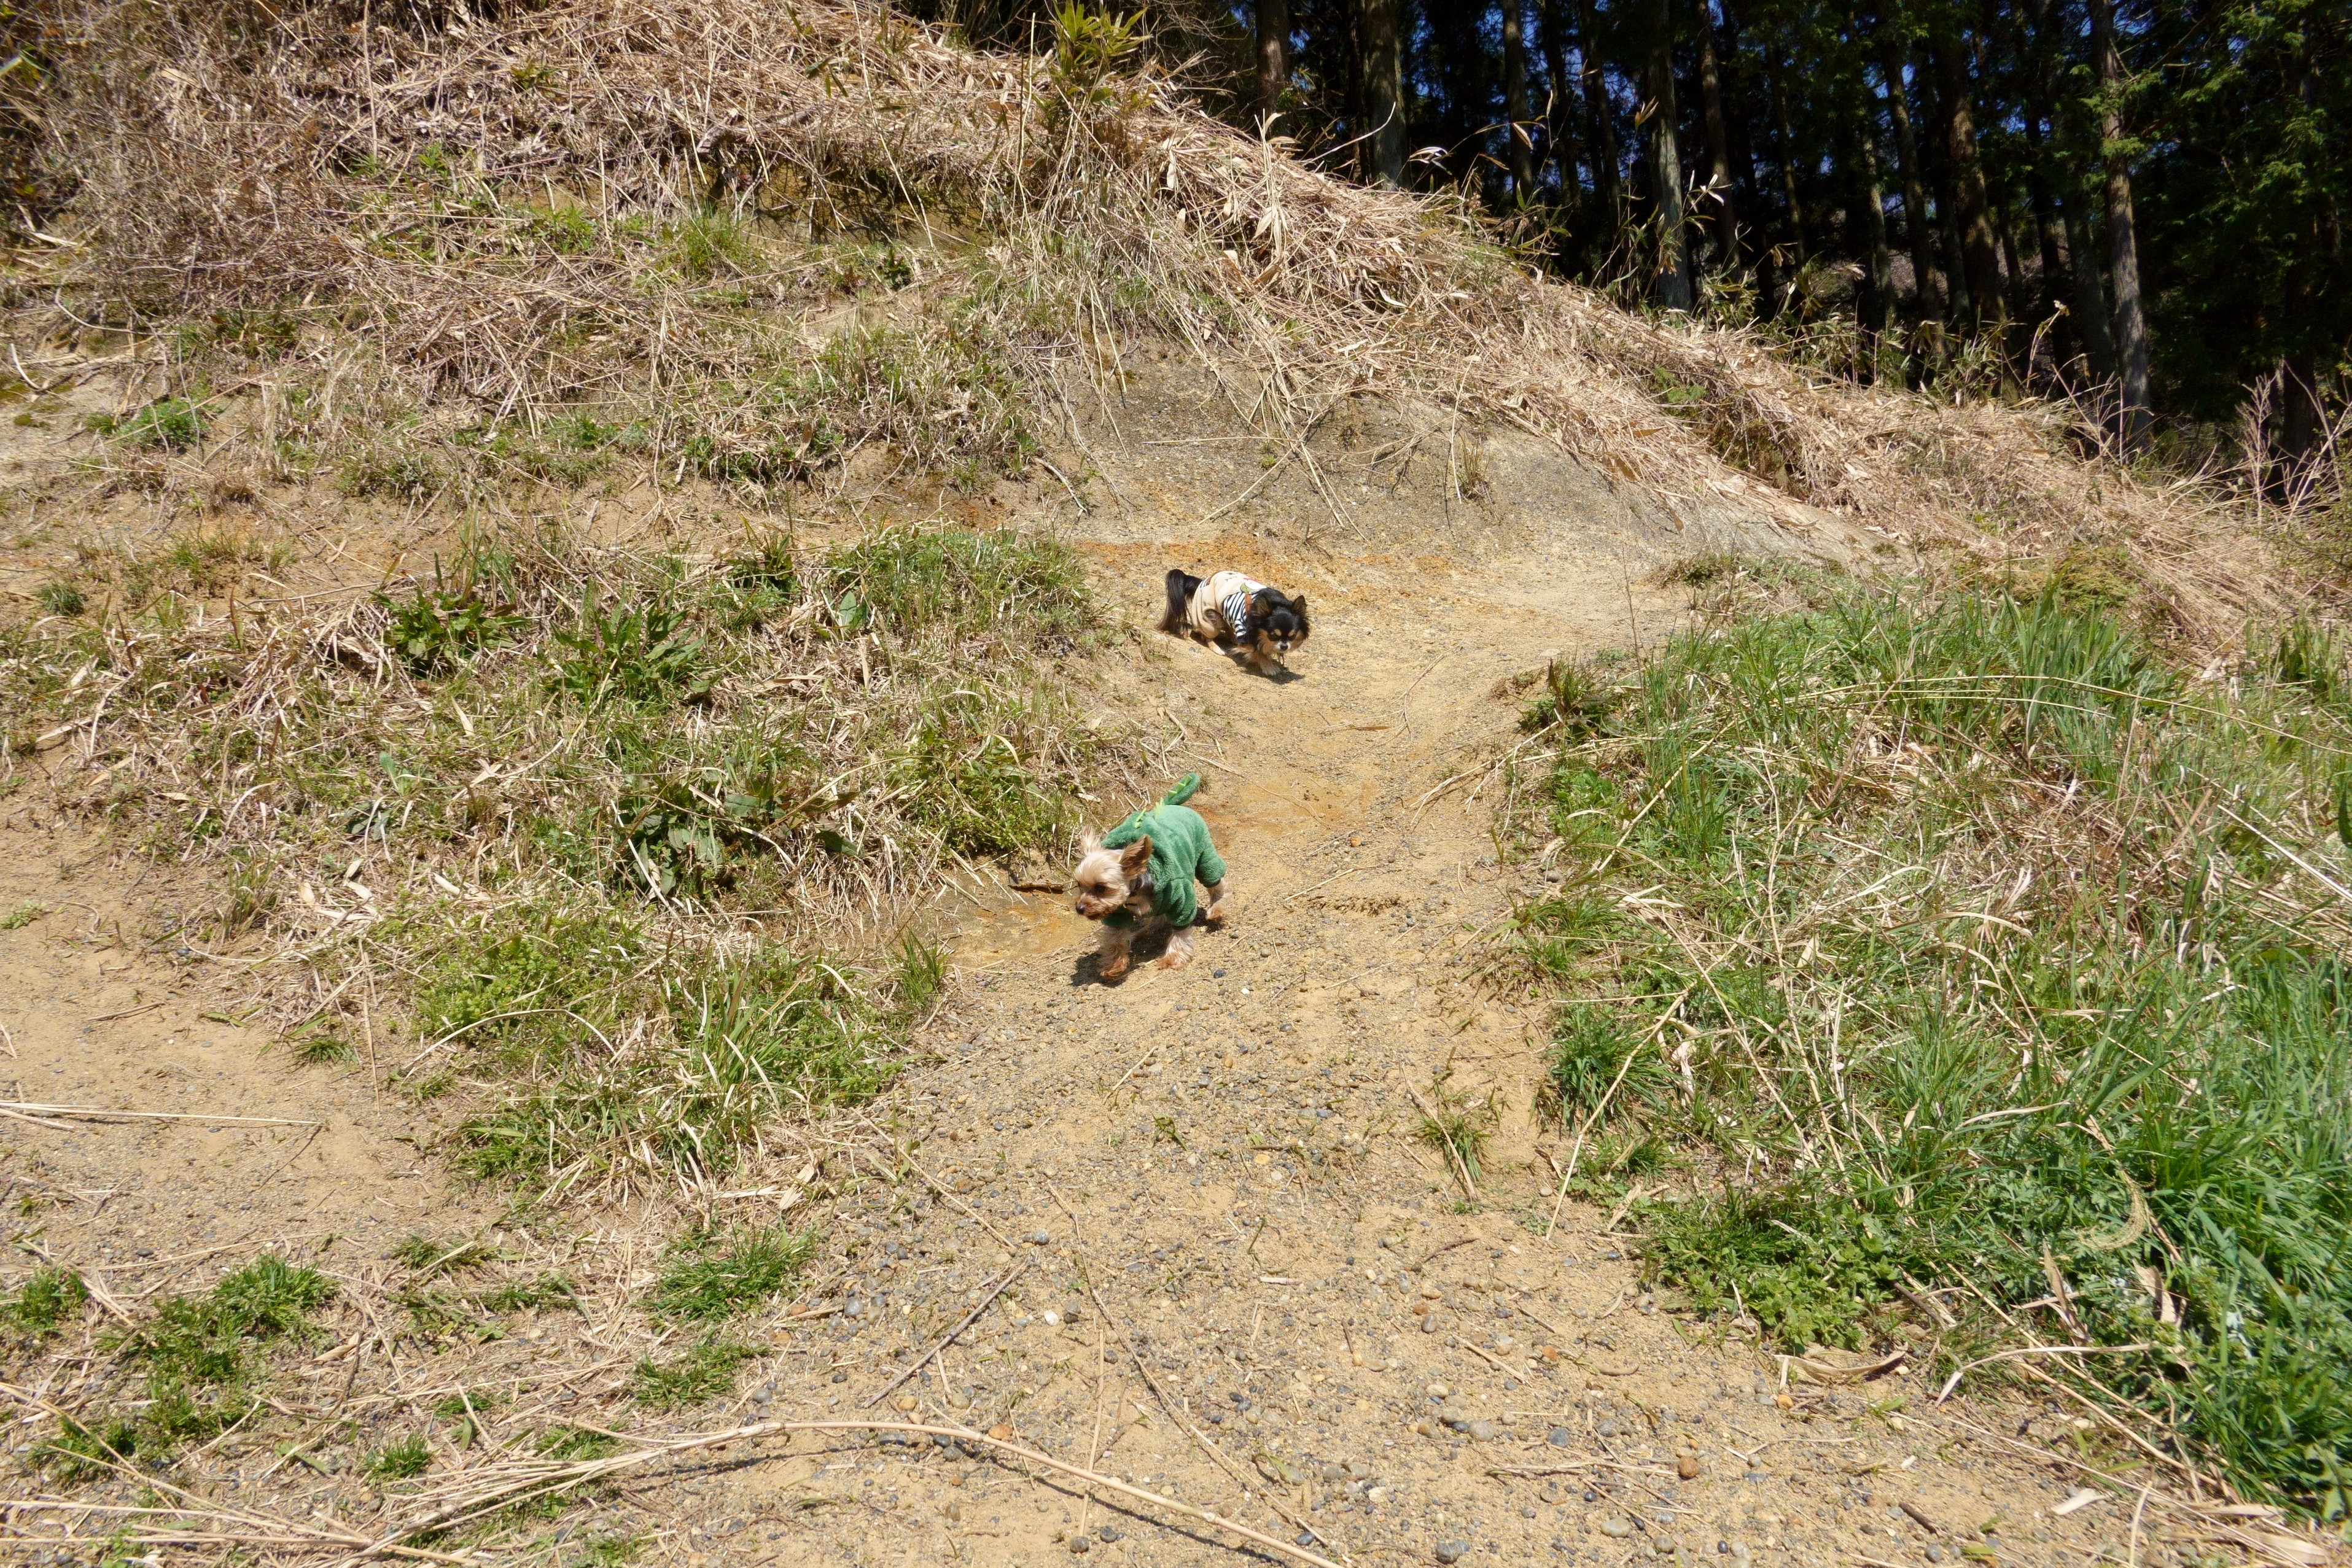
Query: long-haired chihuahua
{"x": 1231, "y": 610}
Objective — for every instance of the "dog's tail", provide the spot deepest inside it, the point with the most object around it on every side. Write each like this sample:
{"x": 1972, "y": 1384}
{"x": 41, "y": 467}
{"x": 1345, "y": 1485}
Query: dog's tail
{"x": 1183, "y": 791}
{"x": 1181, "y": 587}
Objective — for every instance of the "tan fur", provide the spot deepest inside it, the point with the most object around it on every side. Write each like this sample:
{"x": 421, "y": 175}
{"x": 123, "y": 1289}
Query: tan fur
{"x": 1107, "y": 879}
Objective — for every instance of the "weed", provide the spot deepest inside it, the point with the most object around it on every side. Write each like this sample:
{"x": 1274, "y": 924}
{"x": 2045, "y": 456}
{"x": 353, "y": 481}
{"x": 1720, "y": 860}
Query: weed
{"x": 61, "y": 599}
{"x": 1595, "y": 1060}
{"x": 22, "y": 915}
{"x": 709, "y": 245}
{"x": 975, "y": 767}
{"x": 400, "y": 1462}
{"x": 1456, "y": 1132}
{"x": 529, "y": 1295}
{"x": 1575, "y": 697}
{"x": 168, "y": 422}
{"x": 712, "y": 1275}
{"x": 754, "y": 1038}
{"x": 322, "y": 1045}
{"x": 644, "y": 653}
{"x": 706, "y": 1371}
{"x": 83, "y": 1452}
{"x": 46, "y": 1302}
{"x": 919, "y": 975}
{"x": 436, "y": 629}
{"x": 575, "y": 1443}
{"x": 198, "y": 1350}
{"x": 426, "y": 1258}
{"x": 526, "y": 990}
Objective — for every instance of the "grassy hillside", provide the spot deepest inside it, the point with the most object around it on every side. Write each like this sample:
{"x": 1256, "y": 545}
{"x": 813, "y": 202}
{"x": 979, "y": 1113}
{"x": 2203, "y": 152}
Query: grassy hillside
{"x": 1973, "y": 978}
{"x": 431, "y": 257}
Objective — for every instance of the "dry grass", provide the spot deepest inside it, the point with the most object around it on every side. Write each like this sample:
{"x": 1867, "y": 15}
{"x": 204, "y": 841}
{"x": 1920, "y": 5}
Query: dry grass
{"x": 545, "y": 209}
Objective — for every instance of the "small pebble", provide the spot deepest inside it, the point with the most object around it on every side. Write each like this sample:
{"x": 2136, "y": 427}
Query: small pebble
{"x": 1305, "y": 1538}
{"x": 1039, "y": 1238}
{"x": 1108, "y": 1534}
{"x": 1437, "y": 1391}
{"x": 1687, "y": 1466}
{"x": 959, "y": 1400}
{"x": 1429, "y": 1324}
{"x": 1053, "y": 1319}
{"x": 1081, "y": 1545}
{"x": 1934, "y": 1553}
{"x": 1480, "y": 1431}
{"x": 905, "y": 1401}
{"x": 1452, "y": 1551}
{"x": 1559, "y": 1437}
{"x": 1661, "y": 1546}
{"x": 1617, "y": 1527}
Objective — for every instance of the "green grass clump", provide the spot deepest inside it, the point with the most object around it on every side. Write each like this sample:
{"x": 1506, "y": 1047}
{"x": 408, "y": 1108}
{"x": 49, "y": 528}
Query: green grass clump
{"x": 644, "y": 653}
{"x": 436, "y": 629}
{"x": 61, "y": 599}
{"x": 1968, "y": 940}
{"x": 711, "y": 1276}
{"x": 529, "y": 1295}
{"x": 169, "y": 423}
{"x": 737, "y": 1044}
{"x": 1018, "y": 587}
{"x": 402, "y": 1460}
{"x": 704, "y": 1372}
{"x": 200, "y": 1353}
{"x": 46, "y": 1302}
{"x": 982, "y": 767}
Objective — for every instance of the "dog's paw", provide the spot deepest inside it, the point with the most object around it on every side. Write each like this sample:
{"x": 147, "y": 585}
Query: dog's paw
{"x": 1175, "y": 960}
{"x": 1112, "y": 968}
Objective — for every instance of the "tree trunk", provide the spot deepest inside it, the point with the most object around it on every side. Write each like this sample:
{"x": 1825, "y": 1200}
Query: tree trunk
{"x": 2122, "y": 243}
{"x": 1514, "y": 99}
{"x": 1979, "y": 246}
{"x": 1785, "y": 148}
{"x": 1741, "y": 92}
{"x": 1917, "y": 233}
{"x": 2047, "y": 229}
{"x": 1384, "y": 90}
{"x": 2092, "y": 316}
{"x": 1871, "y": 310}
{"x": 1273, "y": 55}
{"x": 1666, "y": 161}
{"x": 1560, "y": 114}
{"x": 1719, "y": 143}
{"x": 1607, "y": 160}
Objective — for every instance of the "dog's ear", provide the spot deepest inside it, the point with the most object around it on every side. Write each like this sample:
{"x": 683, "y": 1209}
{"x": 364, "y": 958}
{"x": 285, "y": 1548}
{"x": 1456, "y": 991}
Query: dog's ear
{"x": 1135, "y": 857}
{"x": 1089, "y": 841}
{"x": 1298, "y": 605}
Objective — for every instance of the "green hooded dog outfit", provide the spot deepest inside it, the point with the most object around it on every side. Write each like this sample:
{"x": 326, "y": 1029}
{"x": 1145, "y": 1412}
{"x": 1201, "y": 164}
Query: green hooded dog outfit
{"x": 1181, "y": 853}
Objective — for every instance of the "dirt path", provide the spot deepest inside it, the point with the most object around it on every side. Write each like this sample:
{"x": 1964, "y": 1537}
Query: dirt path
{"x": 1225, "y": 1158}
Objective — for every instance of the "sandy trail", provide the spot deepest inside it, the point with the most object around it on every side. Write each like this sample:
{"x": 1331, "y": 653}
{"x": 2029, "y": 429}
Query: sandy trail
{"x": 1226, "y": 1157}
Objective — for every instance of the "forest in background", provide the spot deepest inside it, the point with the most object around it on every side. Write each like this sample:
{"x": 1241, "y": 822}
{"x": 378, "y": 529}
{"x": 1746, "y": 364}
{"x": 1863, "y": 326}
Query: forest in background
{"x": 2137, "y": 203}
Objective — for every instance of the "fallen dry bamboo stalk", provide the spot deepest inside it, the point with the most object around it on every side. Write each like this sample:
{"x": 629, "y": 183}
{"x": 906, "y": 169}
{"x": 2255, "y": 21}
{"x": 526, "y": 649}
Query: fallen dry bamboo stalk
{"x": 987, "y": 1299}
{"x": 31, "y": 1109}
{"x": 541, "y": 1480}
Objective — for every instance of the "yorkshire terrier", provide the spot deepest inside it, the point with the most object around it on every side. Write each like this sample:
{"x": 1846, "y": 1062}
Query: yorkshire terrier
{"x": 1265, "y": 623}
{"x": 1139, "y": 875}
